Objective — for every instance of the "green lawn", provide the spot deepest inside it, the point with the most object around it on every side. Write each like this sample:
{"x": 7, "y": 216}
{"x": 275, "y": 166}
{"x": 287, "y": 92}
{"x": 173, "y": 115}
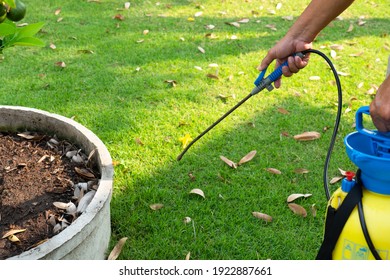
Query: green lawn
{"x": 118, "y": 82}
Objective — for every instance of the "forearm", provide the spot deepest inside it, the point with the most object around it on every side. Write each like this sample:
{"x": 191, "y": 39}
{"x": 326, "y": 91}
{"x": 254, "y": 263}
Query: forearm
{"x": 317, "y": 15}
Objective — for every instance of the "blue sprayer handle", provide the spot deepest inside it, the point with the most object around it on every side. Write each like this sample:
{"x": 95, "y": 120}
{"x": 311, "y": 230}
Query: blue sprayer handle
{"x": 276, "y": 74}
{"x": 379, "y": 141}
{"x": 371, "y": 133}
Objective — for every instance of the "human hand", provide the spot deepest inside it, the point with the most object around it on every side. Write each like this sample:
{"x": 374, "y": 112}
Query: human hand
{"x": 283, "y": 51}
{"x": 380, "y": 107}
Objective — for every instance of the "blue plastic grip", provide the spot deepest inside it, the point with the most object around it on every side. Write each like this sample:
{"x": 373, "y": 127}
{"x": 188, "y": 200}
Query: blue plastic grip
{"x": 277, "y": 73}
{"x": 371, "y": 133}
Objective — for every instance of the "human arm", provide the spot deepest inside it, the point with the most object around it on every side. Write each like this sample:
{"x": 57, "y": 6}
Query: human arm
{"x": 317, "y": 15}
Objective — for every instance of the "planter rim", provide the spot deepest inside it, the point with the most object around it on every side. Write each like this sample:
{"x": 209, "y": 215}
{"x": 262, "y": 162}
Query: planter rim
{"x": 104, "y": 161}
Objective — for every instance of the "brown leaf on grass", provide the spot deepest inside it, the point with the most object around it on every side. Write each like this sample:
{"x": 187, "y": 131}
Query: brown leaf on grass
{"x": 336, "y": 179}
{"x": 156, "y": 206}
{"x": 342, "y": 172}
{"x": 173, "y": 83}
{"x": 57, "y": 11}
{"x": 289, "y": 17}
{"x": 350, "y": 28}
{"x": 271, "y": 26}
{"x": 235, "y": 24}
{"x": 313, "y": 209}
{"x": 283, "y": 111}
{"x": 356, "y": 54}
{"x": 139, "y": 141}
{"x": 301, "y": 171}
{"x": 307, "y": 136}
{"x": 297, "y": 209}
{"x": 197, "y": 192}
{"x": 60, "y": 64}
{"x": 228, "y": 162}
{"x": 295, "y": 196}
{"x": 262, "y": 216}
{"x": 188, "y": 256}
{"x": 243, "y": 20}
{"x": 117, "y": 249}
{"x": 201, "y": 49}
{"x": 273, "y": 170}
{"x": 119, "y": 17}
{"x": 192, "y": 177}
{"x": 212, "y": 76}
{"x": 247, "y": 157}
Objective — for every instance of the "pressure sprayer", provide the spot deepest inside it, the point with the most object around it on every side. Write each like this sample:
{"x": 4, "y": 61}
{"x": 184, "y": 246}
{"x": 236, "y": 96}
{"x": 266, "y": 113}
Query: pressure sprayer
{"x": 347, "y": 234}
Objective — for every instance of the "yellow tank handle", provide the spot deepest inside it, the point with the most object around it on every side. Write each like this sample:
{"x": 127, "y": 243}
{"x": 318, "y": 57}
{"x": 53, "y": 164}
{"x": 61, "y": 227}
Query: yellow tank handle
{"x": 337, "y": 198}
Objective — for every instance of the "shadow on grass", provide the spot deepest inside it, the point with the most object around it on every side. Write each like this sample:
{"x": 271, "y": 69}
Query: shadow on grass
{"x": 222, "y": 226}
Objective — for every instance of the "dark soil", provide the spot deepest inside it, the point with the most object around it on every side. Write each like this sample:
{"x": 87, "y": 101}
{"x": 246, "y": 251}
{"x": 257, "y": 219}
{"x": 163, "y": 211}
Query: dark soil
{"x": 34, "y": 173}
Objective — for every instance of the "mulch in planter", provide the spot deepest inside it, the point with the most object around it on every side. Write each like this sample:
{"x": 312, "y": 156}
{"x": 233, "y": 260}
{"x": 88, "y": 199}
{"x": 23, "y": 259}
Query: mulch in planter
{"x": 34, "y": 173}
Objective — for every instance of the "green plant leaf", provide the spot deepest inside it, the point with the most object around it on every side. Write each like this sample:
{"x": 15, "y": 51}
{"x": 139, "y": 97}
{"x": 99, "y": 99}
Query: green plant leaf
{"x": 29, "y": 30}
{"x": 10, "y": 3}
{"x": 29, "y": 41}
{"x": 7, "y": 29}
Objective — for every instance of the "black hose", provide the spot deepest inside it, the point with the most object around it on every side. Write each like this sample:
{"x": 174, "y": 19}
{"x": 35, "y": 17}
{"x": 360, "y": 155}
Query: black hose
{"x": 337, "y": 121}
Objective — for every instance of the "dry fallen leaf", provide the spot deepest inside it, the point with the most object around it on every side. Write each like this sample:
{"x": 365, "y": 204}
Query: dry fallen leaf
{"x": 187, "y": 220}
{"x": 12, "y": 232}
{"x": 313, "y": 209}
{"x": 336, "y": 179}
{"x": 301, "y": 171}
{"x": 283, "y": 111}
{"x": 314, "y": 78}
{"x": 295, "y": 196}
{"x": 156, "y": 206}
{"x": 173, "y": 83}
{"x": 228, "y": 162}
{"x": 342, "y": 172}
{"x": 273, "y": 170}
{"x": 307, "y": 136}
{"x": 247, "y": 157}
{"x": 13, "y": 238}
{"x": 60, "y": 64}
{"x": 236, "y": 24}
{"x": 271, "y": 26}
{"x": 201, "y": 49}
{"x": 350, "y": 28}
{"x": 83, "y": 172}
{"x": 119, "y": 17}
{"x": 212, "y": 76}
{"x": 262, "y": 216}
{"x": 188, "y": 256}
{"x": 297, "y": 209}
{"x": 117, "y": 249}
{"x": 198, "y": 192}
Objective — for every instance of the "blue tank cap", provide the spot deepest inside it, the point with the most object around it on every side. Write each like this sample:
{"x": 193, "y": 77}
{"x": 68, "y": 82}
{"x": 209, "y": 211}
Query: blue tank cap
{"x": 348, "y": 182}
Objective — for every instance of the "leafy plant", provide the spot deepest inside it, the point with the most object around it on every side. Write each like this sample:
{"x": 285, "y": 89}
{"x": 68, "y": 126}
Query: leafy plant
{"x": 12, "y": 34}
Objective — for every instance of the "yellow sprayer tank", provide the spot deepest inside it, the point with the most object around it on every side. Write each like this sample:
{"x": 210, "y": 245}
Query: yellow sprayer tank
{"x": 365, "y": 228}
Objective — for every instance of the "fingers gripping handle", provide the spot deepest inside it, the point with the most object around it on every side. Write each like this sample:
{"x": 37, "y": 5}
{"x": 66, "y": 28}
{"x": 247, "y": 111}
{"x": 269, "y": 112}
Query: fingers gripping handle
{"x": 262, "y": 83}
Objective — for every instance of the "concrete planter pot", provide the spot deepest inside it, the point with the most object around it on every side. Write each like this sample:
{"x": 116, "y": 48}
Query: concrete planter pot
{"x": 89, "y": 235}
